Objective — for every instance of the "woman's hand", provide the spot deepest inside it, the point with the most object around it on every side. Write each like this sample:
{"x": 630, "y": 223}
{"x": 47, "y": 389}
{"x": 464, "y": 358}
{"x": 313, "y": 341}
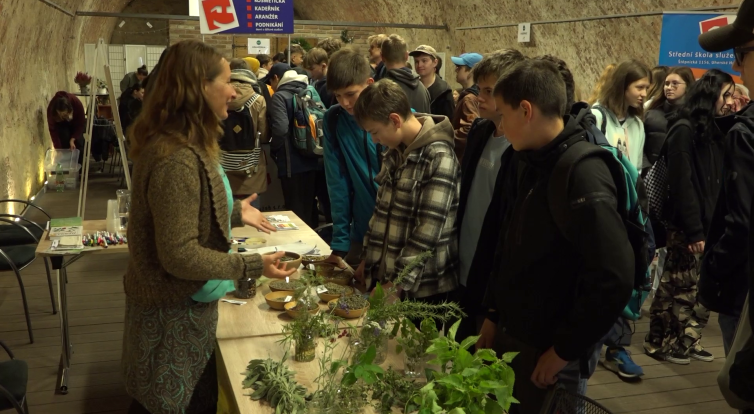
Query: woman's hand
{"x": 273, "y": 267}
{"x": 253, "y": 217}
{"x": 73, "y": 143}
{"x": 697, "y": 248}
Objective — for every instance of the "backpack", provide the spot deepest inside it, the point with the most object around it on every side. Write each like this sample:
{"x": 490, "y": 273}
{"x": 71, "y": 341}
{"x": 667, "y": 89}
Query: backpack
{"x": 308, "y": 114}
{"x": 631, "y": 202}
{"x": 603, "y": 124}
{"x": 658, "y": 189}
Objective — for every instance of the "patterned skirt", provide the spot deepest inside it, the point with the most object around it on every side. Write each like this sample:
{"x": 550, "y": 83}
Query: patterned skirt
{"x": 168, "y": 362}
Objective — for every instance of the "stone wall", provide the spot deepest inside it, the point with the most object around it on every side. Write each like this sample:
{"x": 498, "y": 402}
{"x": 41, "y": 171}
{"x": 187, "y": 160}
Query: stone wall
{"x": 40, "y": 52}
{"x": 586, "y": 46}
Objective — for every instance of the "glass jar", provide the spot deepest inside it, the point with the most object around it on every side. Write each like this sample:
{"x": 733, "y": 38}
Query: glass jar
{"x": 246, "y": 288}
{"x": 372, "y": 333}
{"x": 305, "y": 348}
{"x": 413, "y": 364}
{"x": 124, "y": 207}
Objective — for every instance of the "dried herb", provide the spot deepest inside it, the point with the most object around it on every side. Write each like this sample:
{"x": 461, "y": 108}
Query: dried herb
{"x": 354, "y": 302}
{"x": 337, "y": 289}
{"x": 283, "y": 285}
{"x": 274, "y": 382}
{"x": 301, "y": 306}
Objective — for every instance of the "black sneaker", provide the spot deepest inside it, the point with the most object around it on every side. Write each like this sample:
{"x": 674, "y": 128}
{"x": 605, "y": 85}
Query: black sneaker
{"x": 700, "y": 354}
{"x": 674, "y": 356}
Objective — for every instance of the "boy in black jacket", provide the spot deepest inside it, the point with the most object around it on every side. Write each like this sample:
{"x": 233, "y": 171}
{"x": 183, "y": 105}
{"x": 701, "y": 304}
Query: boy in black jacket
{"x": 484, "y": 171}
{"x": 555, "y": 298}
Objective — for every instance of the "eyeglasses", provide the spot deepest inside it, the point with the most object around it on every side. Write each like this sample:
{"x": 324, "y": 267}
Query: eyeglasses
{"x": 740, "y": 53}
{"x": 674, "y": 84}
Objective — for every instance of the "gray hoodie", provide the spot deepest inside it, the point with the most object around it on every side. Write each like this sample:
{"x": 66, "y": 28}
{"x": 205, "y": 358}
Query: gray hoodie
{"x": 418, "y": 96}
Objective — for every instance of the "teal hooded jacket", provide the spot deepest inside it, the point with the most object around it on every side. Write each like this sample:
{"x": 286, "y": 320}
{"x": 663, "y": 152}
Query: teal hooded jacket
{"x": 352, "y": 161}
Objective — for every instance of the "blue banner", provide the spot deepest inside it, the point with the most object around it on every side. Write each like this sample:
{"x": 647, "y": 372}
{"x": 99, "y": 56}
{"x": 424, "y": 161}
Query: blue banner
{"x": 679, "y": 45}
{"x": 246, "y": 16}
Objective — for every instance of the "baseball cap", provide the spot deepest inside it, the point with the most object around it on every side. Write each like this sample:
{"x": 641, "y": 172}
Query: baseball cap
{"x": 741, "y": 31}
{"x": 424, "y": 50}
{"x": 467, "y": 59}
{"x": 278, "y": 70}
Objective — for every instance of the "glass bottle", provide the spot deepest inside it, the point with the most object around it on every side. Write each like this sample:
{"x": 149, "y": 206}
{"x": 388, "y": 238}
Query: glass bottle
{"x": 124, "y": 207}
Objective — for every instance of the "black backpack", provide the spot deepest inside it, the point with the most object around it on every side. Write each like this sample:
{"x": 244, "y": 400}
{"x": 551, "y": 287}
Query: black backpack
{"x": 239, "y": 128}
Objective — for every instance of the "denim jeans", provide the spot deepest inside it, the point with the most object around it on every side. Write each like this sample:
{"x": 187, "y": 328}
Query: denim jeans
{"x": 728, "y": 326}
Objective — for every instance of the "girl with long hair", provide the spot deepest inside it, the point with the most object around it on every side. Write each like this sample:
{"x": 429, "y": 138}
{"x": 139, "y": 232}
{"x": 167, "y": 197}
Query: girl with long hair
{"x": 179, "y": 225}
{"x": 677, "y": 81}
{"x": 656, "y": 89}
{"x": 620, "y": 108}
{"x": 694, "y": 155}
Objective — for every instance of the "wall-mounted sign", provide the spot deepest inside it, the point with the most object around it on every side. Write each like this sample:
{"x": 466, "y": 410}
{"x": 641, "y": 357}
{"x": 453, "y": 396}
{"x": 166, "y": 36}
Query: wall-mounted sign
{"x": 259, "y": 46}
{"x": 246, "y": 16}
{"x": 524, "y": 32}
{"x": 679, "y": 45}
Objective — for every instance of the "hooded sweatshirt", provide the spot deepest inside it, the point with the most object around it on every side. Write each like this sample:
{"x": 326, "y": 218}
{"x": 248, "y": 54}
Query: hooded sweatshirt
{"x": 77, "y": 123}
{"x": 287, "y": 158}
{"x": 418, "y": 96}
{"x": 351, "y": 164}
{"x": 627, "y": 136}
{"x": 441, "y": 97}
{"x": 416, "y": 212}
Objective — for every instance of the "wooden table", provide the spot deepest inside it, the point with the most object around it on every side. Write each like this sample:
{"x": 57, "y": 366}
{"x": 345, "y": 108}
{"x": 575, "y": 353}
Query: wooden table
{"x": 234, "y": 355}
{"x": 62, "y": 259}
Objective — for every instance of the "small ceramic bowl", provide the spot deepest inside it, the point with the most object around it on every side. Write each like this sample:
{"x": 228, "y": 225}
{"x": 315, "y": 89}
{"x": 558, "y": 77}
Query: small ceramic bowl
{"x": 313, "y": 258}
{"x": 347, "y": 314}
{"x": 255, "y": 242}
{"x": 276, "y": 304}
{"x": 294, "y": 260}
{"x": 294, "y": 313}
{"x": 327, "y": 296}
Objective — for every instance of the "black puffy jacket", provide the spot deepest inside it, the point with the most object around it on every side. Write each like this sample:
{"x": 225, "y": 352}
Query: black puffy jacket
{"x": 655, "y": 131}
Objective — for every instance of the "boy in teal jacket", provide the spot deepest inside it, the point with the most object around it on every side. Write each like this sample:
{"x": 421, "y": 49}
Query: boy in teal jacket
{"x": 352, "y": 160}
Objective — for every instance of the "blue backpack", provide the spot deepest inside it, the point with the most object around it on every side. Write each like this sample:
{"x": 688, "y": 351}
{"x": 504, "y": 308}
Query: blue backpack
{"x": 631, "y": 196}
{"x": 308, "y": 116}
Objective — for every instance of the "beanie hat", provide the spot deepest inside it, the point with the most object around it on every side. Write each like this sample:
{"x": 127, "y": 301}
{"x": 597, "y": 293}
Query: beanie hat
{"x": 243, "y": 75}
{"x": 253, "y": 64}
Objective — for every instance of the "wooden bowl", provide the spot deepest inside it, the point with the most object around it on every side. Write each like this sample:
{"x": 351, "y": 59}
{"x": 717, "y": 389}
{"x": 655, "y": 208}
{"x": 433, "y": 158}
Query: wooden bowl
{"x": 275, "y": 289}
{"x": 295, "y": 261}
{"x": 327, "y": 296}
{"x": 346, "y": 314}
{"x": 295, "y": 314}
{"x": 270, "y": 299}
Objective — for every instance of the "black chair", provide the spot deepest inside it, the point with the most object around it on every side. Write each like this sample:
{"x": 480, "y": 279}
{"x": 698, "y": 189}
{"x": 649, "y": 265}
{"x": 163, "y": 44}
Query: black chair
{"x": 14, "y": 375}
{"x": 561, "y": 401}
{"x": 18, "y": 257}
{"x": 15, "y": 236}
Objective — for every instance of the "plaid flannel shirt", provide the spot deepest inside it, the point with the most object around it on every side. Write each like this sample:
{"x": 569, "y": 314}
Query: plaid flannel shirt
{"x": 416, "y": 208}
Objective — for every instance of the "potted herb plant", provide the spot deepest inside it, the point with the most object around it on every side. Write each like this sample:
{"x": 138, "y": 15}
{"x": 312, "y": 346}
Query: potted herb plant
{"x": 83, "y": 80}
{"x": 101, "y": 87}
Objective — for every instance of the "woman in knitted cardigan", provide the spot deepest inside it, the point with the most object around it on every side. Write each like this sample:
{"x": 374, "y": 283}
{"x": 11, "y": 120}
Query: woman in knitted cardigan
{"x": 179, "y": 227}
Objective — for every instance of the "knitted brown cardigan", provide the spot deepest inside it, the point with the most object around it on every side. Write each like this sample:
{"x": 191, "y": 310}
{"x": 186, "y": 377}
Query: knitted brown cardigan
{"x": 178, "y": 229}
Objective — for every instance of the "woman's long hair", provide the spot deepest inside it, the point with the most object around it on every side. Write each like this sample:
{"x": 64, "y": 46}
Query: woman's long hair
{"x": 659, "y": 73}
{"x": 613, "y": 94}
{"x": 684, "y": 73}
{"x": 175, "y": 112}
{"x": 600, "y": 83}
{"x": 700, "y": 108}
